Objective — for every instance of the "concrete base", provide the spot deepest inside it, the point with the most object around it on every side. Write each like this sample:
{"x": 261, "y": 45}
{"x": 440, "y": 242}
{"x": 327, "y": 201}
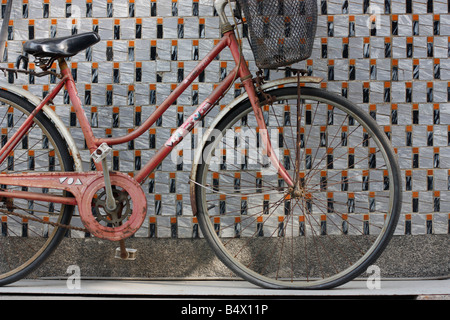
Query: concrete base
{"x": 417, "y": 256}
{"x": 200, "y": 291}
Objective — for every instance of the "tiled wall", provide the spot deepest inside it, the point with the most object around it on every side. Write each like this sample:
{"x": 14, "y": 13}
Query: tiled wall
{"x": 389, "y": 56}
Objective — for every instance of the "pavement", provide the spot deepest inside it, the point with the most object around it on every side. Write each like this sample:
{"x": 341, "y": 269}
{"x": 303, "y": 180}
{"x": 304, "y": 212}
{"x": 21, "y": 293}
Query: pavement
{"x": 47, "y": 289}
{"x": 219, "y": 299}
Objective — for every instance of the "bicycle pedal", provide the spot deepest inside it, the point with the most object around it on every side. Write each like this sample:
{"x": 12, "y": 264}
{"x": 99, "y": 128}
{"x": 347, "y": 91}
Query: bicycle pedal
{"x": 130, "y": 254}
{"x": 102, "y": 151}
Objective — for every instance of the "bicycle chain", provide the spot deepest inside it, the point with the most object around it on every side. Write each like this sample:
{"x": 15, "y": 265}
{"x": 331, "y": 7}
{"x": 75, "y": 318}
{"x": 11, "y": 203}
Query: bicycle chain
{"x": 36, "y": 219}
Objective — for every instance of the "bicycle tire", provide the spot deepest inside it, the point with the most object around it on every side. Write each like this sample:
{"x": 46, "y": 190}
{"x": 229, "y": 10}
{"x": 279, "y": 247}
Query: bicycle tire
{"x": 253, "y": 244}
{"x": 25, "y": 245}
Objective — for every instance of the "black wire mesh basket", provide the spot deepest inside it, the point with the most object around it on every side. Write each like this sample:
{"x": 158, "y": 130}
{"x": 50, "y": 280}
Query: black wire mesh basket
{"x": 281, "y": 32}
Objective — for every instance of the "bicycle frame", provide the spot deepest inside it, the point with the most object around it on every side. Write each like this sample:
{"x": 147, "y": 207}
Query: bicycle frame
{"x": 53, "y": 180}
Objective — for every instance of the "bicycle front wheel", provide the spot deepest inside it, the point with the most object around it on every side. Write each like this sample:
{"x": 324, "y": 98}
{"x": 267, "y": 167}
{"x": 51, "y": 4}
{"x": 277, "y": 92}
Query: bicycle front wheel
{"x": 326, "y": 229}
{"x": 26, "y": 238}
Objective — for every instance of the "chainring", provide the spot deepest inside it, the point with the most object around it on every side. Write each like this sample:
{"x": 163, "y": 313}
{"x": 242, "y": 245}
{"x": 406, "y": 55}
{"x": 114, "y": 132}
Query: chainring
{"x": 125, "y": 220}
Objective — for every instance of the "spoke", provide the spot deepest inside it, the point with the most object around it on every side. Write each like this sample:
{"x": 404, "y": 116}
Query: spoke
{"x": 316, "y": 229}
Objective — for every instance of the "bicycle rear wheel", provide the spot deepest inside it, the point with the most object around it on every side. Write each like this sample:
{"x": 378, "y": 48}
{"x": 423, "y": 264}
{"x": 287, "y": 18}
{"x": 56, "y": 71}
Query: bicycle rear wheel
{"x": 25, "y": 242}
{"x": 328, "y": 229}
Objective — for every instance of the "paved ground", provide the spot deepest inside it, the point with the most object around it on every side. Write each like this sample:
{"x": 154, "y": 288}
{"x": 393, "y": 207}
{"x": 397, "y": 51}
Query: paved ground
{"x": 221, "y": 299}
{"x": 165, "y": 289}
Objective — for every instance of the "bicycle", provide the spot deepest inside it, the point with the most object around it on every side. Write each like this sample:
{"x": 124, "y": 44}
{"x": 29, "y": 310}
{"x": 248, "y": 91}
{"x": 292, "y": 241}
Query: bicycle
{"x": 310, "y": 206}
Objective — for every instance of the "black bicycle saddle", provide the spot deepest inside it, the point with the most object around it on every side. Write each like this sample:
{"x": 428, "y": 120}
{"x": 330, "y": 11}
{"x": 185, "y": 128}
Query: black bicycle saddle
{"x": 61, "y": 47}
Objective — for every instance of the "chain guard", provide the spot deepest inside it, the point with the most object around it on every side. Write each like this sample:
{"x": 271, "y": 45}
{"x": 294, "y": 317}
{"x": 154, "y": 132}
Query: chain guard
{"x": 131, "y": 199}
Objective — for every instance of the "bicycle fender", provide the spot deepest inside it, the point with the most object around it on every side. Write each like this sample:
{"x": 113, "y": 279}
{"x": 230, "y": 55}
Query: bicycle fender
{"x": 34, "y": 100}
{"x": 238, "y": 100}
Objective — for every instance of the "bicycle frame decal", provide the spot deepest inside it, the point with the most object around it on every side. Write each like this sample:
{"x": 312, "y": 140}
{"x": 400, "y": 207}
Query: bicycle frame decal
{"x": 186, "y": 127}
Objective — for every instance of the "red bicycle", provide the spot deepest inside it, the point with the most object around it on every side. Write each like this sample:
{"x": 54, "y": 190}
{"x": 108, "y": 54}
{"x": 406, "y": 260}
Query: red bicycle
{"x": 293, "y": 186}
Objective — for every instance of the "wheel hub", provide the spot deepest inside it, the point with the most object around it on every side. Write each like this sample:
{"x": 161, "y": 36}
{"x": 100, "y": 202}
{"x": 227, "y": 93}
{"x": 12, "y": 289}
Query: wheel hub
{"x": 297, "y": 192}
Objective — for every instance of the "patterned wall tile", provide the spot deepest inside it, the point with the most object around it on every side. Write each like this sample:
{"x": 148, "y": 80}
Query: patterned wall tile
{"x": 397, "y": 66}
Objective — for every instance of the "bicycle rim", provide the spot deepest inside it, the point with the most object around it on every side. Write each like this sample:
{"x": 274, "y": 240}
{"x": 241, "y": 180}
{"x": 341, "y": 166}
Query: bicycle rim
{"x": 328, "y": 231}
{"x": 25, "y": 242}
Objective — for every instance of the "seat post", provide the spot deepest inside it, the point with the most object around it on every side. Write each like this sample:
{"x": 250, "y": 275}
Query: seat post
{"x": 62, "y": 64}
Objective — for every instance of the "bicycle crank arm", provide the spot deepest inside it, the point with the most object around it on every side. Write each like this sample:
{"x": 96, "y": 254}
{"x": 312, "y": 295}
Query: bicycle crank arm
{"x": 98, "y": 156}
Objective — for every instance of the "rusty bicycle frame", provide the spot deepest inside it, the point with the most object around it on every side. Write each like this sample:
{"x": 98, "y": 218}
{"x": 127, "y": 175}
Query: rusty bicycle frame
{"x": 77, "y": 182}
